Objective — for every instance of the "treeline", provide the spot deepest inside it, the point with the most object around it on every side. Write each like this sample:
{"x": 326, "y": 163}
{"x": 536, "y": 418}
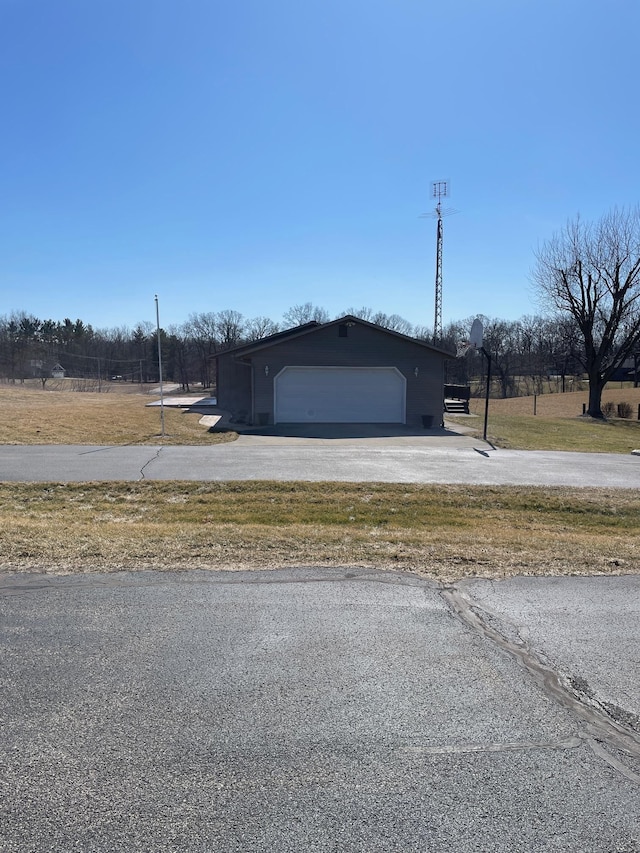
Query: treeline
{"x": 525, "y": 352}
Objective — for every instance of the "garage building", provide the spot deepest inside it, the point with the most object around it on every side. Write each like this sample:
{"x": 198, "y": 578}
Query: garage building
{"x": 345, "y": 371}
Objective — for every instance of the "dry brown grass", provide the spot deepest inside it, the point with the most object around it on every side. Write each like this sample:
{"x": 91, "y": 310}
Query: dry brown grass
{"x": 567, "y": 405}
{"x": 119, "y": 415}
{"x": 447, "y": 532}
{"x": 558, "y": 424}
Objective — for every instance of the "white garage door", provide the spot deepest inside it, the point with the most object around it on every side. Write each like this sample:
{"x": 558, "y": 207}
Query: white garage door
{"x": 349, "y": 395}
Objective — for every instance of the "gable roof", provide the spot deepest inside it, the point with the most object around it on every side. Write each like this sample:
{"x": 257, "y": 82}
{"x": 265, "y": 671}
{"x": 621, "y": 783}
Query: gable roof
{"x": 307, "y": 328}
{"x": 275, "y": 338}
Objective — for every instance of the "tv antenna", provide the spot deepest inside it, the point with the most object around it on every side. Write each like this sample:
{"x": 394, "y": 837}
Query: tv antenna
{"x": 439, "y": 190}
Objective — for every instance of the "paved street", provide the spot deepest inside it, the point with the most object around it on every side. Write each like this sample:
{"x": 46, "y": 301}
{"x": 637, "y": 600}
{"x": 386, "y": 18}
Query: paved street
{"x": 579, "y": 624}
{"x": 318, "y": 710}
{"x": 404, "y": 459}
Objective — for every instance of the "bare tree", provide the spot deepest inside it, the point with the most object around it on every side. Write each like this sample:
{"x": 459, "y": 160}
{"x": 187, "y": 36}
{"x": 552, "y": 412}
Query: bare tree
{"x": 259, "y": 327}
{"x": 533, "y": 351}
{"x": 299, "y": 314}
{"x": 202, "y": 329}
{"x": 230, "y": 327}
{"x": 422, "y": 333}
{"x": 363, "y": 313}
{"x": 392, "y": 321}
{"x": 457, "y": 370}
{"x": 398, "y": 324}
{"x": 181, "y": 349}
{"x": 591, "y": 272}
{"x": 500, "y": 339}
{"x": 389, "y": 321}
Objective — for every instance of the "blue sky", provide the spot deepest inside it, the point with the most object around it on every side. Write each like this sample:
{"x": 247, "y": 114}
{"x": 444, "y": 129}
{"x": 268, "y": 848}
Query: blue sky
{"x": 256, "y": 154}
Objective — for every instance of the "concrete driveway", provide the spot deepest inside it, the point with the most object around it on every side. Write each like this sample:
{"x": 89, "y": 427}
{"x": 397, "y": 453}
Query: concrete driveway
{"x": 315, "y": 710}
{"x": 439, "y": 456}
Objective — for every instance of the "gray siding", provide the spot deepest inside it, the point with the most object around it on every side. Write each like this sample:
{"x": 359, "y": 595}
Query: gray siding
{"x": 233, "y": 389}
{"x": 363, "y": 347}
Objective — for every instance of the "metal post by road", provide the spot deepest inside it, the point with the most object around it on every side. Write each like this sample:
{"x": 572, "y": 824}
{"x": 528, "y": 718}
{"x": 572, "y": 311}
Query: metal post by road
{"x": 486, "y": 399}
{"x": 160, "y": 370}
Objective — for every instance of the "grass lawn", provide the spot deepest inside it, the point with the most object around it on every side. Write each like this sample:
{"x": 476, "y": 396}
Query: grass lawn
{"x": 446, "y": 532}
{"x": 525, "y": 432}
{"x": 56, "y": 415}
{"x": 558, "y": 424}
{"x": 30, "y": 414}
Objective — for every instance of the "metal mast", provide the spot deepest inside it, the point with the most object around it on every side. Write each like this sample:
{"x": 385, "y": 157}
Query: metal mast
{"x": 160, "y": 369}
{"x": 440, "y": 191}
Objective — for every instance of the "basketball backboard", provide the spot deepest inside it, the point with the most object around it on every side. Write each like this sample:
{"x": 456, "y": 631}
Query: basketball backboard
{"x": 475, "y": 335}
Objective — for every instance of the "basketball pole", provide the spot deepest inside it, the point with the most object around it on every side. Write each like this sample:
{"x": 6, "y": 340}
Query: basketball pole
{"x": 486, "y": 396}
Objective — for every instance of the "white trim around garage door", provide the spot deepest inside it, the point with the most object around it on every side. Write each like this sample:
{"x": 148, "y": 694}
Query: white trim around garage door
{"x": 339, "y": 395}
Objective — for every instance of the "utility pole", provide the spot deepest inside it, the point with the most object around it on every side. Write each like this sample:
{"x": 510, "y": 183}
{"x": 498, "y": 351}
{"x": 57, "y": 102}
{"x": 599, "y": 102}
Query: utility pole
{"x": 160, "y": 369}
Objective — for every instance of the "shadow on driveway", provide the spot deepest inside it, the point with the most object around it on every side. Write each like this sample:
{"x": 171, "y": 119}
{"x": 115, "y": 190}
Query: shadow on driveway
{"x": 362, "y": 436}
{"x": 341, "y": 431}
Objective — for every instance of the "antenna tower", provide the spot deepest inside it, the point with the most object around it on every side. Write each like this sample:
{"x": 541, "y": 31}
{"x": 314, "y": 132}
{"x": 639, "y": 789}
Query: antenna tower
{"x": 440, "y": 190}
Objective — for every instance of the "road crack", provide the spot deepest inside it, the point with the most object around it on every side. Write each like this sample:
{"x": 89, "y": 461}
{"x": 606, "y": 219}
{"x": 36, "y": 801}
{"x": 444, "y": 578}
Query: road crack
{"x": 600, "y": 727}
{"x": 148, "y": 462}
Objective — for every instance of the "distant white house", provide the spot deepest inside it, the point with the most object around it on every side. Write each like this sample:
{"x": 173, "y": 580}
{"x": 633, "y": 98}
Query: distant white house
{"x": 57, "y": 371}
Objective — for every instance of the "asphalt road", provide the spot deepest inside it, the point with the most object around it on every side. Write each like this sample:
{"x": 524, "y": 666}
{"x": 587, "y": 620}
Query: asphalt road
{"x": 459, "y": 460}
{"x": 315, "y": 710}
{"x": 579, "y": 625}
